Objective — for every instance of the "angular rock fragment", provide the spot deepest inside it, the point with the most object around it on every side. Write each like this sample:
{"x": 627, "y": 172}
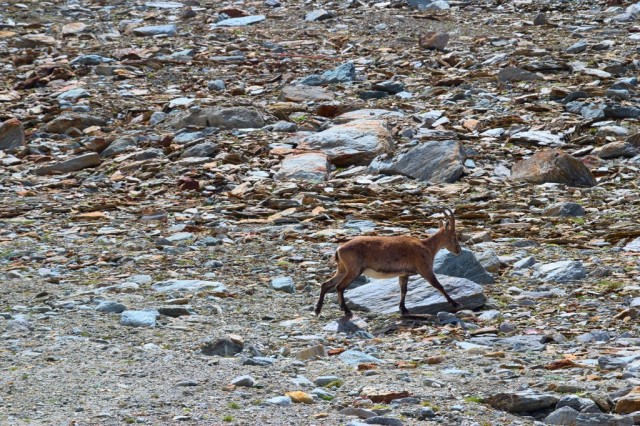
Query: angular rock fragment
{"x": 522, "y": 402}
{"x": 634, "y": 245}
{"x": 78, "y": 121}
{"x": 345, "y": 73}
{"x": 616, "y": 150}
{"x": 319, "y": 15}
{"x": 353, "y": 143}
{"x": 71, "y": 165}
{"x": 596, "y": 419}
{"x": 188, "y": 285}
{"x": 118, "y": 146}
{"x": 353, "y": 357}
{"x": 383, "y": 296}
{"x": 138, "y": 318}
{"x": 513, "y": 74}
{"x": 564, "y": 210}
{"x": 629, "y": 403}
{"x": 11, "y": 135}
{"x": 433, "y": 40}
{"x": 222, "y": 347}
{"x": 239, "y": 22}
{"x": 154, "y": 30}
{"x": 436, "y": 162}
{"x": 312, "y": 167}
{"x": 367, "y": 114}
{"x": 553, "y": 166}
{"x": 203, "y": 149}
{"x": 564, "y": 416}
{"x": 536, "y": 137}
{"x": 304, "y": 93}
{"x": 563, "y": 271}
{"x": 225, "y": 118}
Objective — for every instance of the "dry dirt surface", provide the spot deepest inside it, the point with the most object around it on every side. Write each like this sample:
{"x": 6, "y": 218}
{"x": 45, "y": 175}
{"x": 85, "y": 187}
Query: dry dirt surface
{"x": 175, "y": 177}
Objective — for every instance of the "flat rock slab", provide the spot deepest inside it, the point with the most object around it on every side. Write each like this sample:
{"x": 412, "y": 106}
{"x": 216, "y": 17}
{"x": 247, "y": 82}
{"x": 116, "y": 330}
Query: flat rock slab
{"x": 188, "y": 285}
{"x": 537, "y": 137}
{"x": 239, "y": 22}
{"x": 522, "y": 402}
{"x": 354, "y": 143}
{"x": 304, "y": 93}
{"x": 436, "y": 162}
{"x": 464, "y": 265}
{"x": 224, "y": 118}
{"x": 71, "y": 165}
{"x": 514, "y": 74}
{"x": 383, "y": 296}
{"x": 367, "y": 114}
{"x": 353, "y": 357}
{"x": 553, "y": 166}
{"x": 154, "y": 30}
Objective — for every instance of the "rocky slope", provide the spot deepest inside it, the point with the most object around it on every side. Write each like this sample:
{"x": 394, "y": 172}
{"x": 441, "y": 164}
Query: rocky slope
{"x": 176, "y": 176}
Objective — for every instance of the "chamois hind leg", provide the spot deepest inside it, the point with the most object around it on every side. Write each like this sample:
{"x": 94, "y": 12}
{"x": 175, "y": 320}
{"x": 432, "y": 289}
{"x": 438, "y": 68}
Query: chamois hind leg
{"x": 344, "y": 283}
{"x": 328, "y": 285}
{"x": 431, "y": 277}
{"x": 403, "y": 280}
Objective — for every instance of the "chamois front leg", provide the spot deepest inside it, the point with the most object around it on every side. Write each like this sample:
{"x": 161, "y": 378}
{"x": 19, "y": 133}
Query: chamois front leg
{"x": 403, "y": 280}
{"x": 431, "y": 277}
{"x": 328, "y": 285}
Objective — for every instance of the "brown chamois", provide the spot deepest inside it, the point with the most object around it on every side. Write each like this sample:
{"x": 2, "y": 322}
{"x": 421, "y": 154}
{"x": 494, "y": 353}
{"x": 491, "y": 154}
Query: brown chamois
{"x": 388, "y": 257}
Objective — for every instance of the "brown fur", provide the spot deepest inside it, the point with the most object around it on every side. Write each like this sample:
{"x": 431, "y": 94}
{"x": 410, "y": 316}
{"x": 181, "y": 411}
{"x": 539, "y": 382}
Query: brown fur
{"x": 401, "y": 256}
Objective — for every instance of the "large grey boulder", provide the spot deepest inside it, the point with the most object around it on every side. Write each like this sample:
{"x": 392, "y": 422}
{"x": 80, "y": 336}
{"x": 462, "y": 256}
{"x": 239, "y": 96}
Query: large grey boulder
{"x": 224, "y": 118}
{"x": 354, "y": 143}
{"x": 437, "y": 162}
{"x": 383, "y": 296}
{"x": 464, "y": 265}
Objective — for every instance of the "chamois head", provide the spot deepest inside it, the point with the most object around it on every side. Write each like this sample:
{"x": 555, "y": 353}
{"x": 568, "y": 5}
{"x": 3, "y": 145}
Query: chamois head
{"x": 448, "y": 229}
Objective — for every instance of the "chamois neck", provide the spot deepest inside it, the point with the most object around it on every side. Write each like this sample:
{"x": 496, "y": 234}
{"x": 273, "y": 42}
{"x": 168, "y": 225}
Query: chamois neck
{"x": 436, "y": 241}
